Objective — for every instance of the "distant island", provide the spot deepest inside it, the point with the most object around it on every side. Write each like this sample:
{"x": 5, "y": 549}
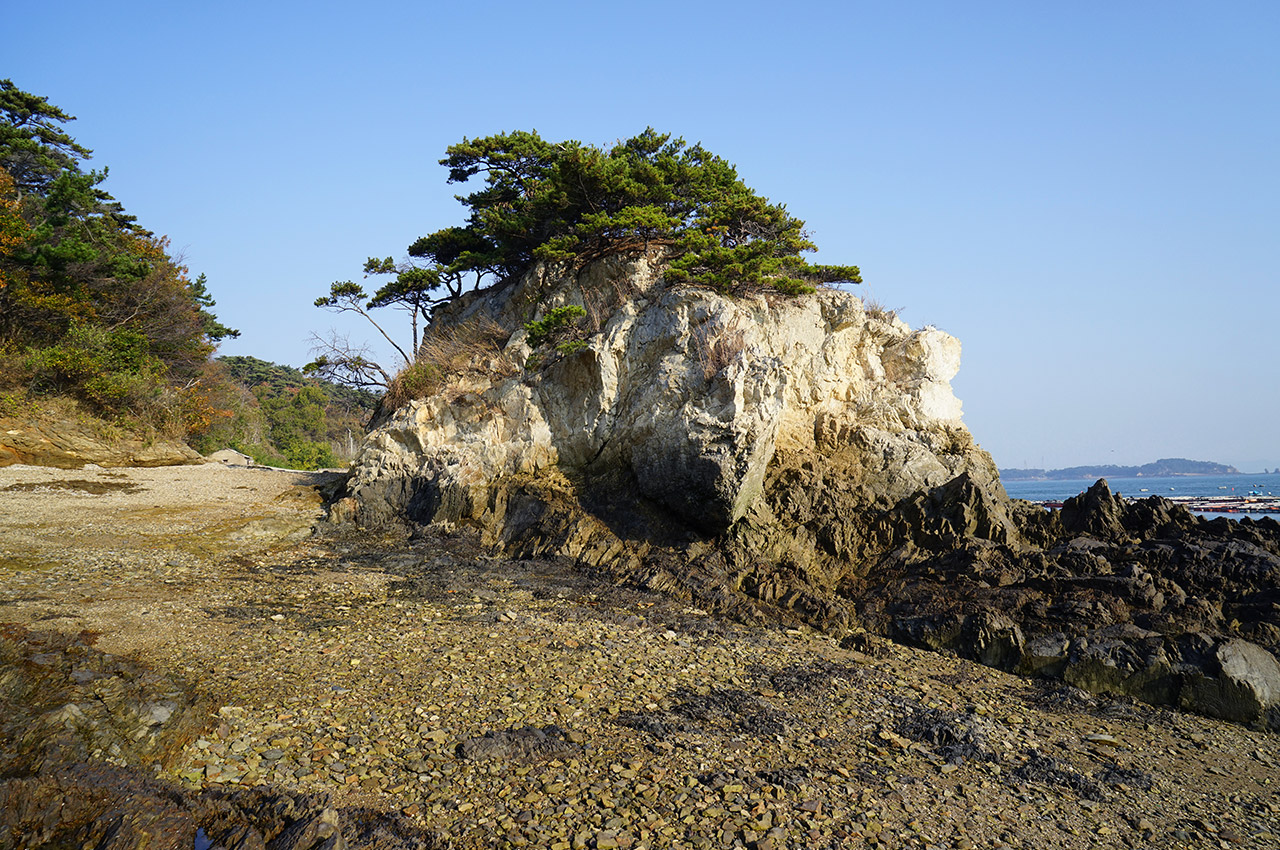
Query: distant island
{"x": 1161, "y": 468}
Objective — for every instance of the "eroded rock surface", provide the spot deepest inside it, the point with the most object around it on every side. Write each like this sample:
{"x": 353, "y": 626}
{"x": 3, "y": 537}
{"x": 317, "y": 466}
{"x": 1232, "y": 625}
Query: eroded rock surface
{"x": 84, "y": 734}
{"x": 804, "y": 460}
{"x": 733, "y": 451}
{"x": 684, "y": 398}
{"x": 67, "y": 444}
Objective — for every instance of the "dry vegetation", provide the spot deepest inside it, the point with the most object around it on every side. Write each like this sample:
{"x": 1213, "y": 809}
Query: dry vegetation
{"x": 446, "y": 353}
{"x": 876, "y": 309}
{"x": 716, "y": 346}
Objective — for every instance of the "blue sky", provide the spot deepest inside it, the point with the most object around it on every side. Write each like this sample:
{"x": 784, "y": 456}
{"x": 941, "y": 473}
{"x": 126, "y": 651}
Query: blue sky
{"x": 1086, "y": 194}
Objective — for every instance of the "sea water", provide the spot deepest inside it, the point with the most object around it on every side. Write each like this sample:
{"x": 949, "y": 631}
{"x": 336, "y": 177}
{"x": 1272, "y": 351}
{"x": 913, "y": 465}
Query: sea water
{"x": 1196, "y": 486}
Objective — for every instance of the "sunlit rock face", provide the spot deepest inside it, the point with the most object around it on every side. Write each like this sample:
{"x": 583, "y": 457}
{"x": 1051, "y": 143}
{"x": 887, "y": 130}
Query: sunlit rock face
{"x": 683, "y": 398}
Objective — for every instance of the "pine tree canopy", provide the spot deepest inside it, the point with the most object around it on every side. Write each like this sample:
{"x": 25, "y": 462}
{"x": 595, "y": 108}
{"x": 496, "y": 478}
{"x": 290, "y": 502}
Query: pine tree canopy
{"x": 557, "y": 201}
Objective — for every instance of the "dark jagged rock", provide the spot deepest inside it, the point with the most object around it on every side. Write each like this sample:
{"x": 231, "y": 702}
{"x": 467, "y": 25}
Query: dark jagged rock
{"x": 120, "y": 808}
{"x": 1142, "y": 599}
{"x": 1241, "y": 682}
{"x": 1095, "y": 512}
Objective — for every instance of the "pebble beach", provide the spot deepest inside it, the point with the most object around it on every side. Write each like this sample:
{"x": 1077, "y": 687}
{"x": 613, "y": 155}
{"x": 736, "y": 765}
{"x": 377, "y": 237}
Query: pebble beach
{"x": 490, "y": 703}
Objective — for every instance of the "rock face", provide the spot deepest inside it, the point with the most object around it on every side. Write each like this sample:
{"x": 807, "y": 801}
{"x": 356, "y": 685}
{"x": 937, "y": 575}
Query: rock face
{"x": 726, "y": 450}
{"x": 1142, "y": 599}
{"x": 687, "y": 396}
{"x": 41, "y": 441}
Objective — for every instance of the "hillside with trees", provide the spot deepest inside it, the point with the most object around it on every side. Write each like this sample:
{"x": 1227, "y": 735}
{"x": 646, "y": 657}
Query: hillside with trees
{"x": 101, "y": 324}
{"x": 1165, "y": 467}
{"x": 283, "y": 417}
{"x": 93, "y": 307}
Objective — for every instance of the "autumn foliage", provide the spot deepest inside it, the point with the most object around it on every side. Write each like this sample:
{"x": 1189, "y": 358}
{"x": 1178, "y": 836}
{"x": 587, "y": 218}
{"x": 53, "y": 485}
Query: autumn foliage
{"x": 93, "y": 306}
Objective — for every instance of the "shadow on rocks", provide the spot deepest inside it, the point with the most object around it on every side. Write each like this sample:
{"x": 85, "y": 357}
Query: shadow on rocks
{"x": 84, "y": 734}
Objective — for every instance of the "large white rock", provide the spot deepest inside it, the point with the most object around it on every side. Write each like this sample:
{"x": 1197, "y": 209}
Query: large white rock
{"x": 684, "y": 394}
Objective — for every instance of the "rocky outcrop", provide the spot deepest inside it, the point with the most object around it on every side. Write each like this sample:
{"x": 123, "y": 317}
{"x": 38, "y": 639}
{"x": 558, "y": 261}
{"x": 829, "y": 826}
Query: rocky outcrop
{"x": 804, "y": 460}
{"x": 39, "y": 440}
{"x": 690, "y": 397}
{"x": 728, "y": 450}
{"x": 1141, "y": 599}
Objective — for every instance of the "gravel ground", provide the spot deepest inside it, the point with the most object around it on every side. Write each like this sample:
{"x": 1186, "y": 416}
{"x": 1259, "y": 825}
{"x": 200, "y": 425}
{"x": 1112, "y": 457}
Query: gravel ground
{"x": 521, "y": 704}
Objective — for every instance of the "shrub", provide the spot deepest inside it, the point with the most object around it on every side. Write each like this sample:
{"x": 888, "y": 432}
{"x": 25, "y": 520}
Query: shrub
{"x": 554, "y": 326}
{"x": 110, "y": 369}
{"x": 560, "y": 330}
{"x": 417, "y": 380}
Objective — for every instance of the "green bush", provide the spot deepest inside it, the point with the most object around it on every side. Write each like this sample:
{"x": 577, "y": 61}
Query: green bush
{"x": 553, "y": 327}
{"x": 417, "y": 380}
{"x": 110, "y": 369}
{"x": 558, "y": 329}
{"x": 309, "y": 454}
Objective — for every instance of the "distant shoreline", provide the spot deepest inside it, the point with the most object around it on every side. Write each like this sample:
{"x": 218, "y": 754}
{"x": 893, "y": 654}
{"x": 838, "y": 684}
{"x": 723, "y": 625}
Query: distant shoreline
{"x": 1163, "y": 468}
{"x": 1051, "y": 475}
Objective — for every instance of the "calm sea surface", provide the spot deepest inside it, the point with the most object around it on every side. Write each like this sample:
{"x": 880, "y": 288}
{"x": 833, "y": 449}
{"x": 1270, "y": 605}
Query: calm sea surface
{"x": 1137, "y": 488}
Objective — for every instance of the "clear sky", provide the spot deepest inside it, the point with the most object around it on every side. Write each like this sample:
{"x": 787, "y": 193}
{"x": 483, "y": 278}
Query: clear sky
{"x": 1087, "y": 194}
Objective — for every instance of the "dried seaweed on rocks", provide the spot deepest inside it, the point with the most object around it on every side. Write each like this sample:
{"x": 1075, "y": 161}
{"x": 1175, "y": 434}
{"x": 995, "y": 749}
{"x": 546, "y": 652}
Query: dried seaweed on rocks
{"x": 740, "y": 711}
{"x": 1042, "y": 768}
{"x": 1069, "y": 697}
{"x": 96, "y": 488}
{"x": 747, "y": 713}
{"x": 526, "y": 742}
{"x": 769, "y": 723}
{"x": 1114, "y": 774}
{"x": 649, "y": 724}
{"x": 807, "y": 678}
{"x": 790, "y": 778}
{"x": 716, "y": 703}
{"x": 955, "y": 736}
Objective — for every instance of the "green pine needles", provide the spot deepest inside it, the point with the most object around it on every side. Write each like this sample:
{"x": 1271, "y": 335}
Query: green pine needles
{"x": 568, "y": 201}
{"x": 557, "y": 330}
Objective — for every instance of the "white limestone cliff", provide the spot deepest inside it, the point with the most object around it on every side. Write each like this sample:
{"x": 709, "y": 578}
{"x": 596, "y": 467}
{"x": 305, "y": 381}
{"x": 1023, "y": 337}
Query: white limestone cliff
{"x": 682, "y": 395}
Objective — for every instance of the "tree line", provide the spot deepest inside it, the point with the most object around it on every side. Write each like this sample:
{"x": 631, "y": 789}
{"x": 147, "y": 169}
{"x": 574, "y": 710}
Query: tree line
{"x": 96, "y": 309}
{"x": 92, "y": 305}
